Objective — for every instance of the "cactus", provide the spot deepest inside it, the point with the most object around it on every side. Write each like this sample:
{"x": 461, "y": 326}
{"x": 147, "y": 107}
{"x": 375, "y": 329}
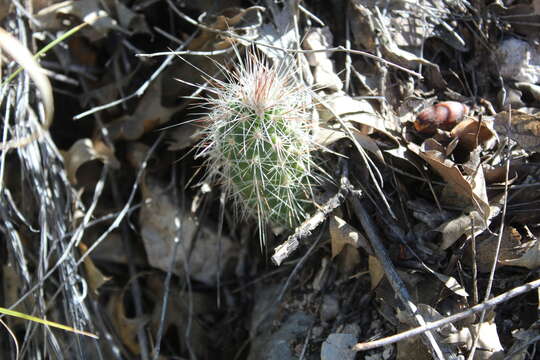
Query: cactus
{"x": 258, "y": 142}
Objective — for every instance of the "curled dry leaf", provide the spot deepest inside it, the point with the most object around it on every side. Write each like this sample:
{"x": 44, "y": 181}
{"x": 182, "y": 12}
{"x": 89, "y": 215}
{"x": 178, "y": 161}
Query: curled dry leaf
{"x": 414, "y": 348}
{"x": 94, "y": 276}
{"x": 529, "y": 256}
{"x": 125, "y": 327}
{"x": 455, "y": 228}
{"x": 451, "y": 284}
{"x": 82, "y": 159}
{"x": 486, "y": 249}
{"x": 472, "y": 133}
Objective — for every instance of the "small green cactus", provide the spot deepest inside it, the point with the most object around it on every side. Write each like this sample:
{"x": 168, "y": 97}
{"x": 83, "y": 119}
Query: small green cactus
{"x": 258, "y": 143}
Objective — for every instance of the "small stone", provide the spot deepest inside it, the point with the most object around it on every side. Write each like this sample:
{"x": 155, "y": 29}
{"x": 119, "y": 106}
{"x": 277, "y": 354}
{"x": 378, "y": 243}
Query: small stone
{"x": 329, "y": 308}
{"x": 338, "y": 347}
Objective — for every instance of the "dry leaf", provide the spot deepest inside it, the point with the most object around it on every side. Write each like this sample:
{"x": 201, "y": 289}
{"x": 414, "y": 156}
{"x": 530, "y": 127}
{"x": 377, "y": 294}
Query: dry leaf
{"x": 125, "y": 327}
{"x": 522, "y": 128}
{"x": 453, "y": 229}
{"x": 451, "y": 283}
{"x": 472, "y": 133}
{"x": 471, "y": 188}
{"x": 81, "y": 167}
{"x": 511, "y": 250}
{"x": 323, "y": 73}
{"x": 94, "y": 276}
{"x": 376, "y": 271}
{"x": 90, "y": 11}
{"x": 342, "y": 233}
{"x": 414, "y": 348}
{"x": 179, "y": 311}
{"x": 489, "y": 346}
{"x": 342, "y": 104}
{"x": 351, "y": 111}
{"x": 149, "y": 114}
{"x": 530, "y": 257}
{"x": 369, "y": 144}
{"x": 162, "y": 223}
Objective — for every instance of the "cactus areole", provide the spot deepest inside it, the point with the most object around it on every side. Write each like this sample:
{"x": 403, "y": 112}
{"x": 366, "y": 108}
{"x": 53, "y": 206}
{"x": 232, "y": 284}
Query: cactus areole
{"x": 258, "y": 143}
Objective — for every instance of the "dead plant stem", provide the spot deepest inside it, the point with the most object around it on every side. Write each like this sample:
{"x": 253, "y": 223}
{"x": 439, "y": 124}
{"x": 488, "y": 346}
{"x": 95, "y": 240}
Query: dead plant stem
{"x": 391, "y": 273}
{"x": 450, "y": 319}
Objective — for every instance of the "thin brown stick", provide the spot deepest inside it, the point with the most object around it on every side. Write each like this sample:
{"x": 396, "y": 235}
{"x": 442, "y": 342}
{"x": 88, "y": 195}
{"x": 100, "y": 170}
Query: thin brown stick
{"x": 450, "y": 319}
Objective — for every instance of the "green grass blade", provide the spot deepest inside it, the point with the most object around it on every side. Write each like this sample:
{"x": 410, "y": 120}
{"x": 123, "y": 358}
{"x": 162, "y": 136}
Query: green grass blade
{"x": 45, "y": 322}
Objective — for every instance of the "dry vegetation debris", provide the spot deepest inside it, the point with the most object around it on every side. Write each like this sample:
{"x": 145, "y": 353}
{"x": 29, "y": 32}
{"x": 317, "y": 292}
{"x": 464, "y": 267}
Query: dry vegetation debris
{"x": 426, "y": 117}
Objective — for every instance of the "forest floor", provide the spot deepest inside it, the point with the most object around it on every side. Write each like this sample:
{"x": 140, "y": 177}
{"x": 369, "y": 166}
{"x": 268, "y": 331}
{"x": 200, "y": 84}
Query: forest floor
{"x": 118, "y": 218}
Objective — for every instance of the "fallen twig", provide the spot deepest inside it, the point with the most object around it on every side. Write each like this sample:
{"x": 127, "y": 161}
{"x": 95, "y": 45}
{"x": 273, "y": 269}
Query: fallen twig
{"x": 391, "y": 272}
{"x": 450, "y": 319}
{"x": 284, "y": 250}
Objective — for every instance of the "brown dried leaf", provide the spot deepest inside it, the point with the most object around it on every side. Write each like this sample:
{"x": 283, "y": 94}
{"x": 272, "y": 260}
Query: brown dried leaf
{"x": 530, "y": 256}
{"x": 125, "y": 327}
{"x": 149, "y": 114}
{"x": 179, "y": 312}
{"x": 376, "y": 271}
{"x": 94, "y": 276}
{"x": 83, "y": 157}
{"x": 510, "y": 249}
{"x": 451, "y": 283}
{"x": 522, "y": 128}
{"x": 162, "y": 222}
{"x": 489, "y": 345}
{"x": 90, "y": 11}
{"x": 358, "y": 114}
{"x": 453, "y": 229}
{"x": 324, "y": 75}
{"x": 472, "y": 188}
{"x": 341, "y": 233}
{"x": 472, "y": 133}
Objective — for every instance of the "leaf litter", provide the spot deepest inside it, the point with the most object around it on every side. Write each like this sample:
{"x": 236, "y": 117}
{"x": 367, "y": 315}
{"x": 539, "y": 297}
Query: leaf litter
{"x": 113, "y": 231}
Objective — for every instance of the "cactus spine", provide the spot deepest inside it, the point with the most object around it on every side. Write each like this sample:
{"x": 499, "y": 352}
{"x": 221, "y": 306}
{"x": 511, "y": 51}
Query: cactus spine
{"x": 258, "y": 143}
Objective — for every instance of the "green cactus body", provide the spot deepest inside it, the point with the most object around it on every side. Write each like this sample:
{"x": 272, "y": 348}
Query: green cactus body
{"x": 258, "y": 144}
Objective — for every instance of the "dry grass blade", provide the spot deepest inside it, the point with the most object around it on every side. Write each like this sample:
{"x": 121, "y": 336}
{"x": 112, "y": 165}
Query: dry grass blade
{"x": 24, "y": 58}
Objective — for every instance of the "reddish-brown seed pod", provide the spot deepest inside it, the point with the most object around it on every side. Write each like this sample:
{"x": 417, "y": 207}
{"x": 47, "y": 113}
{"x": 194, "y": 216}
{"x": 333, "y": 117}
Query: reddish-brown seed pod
{"x": 444, "y": 116}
